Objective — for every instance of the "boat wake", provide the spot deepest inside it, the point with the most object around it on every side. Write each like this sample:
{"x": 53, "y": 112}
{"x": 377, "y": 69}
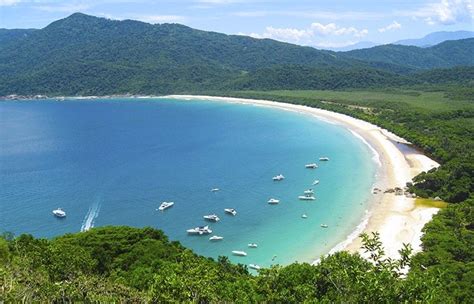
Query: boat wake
{"x": 90, "y": 217}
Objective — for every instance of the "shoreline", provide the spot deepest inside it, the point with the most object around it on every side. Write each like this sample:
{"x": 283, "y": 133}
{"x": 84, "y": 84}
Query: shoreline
{"x": 395, "y": 217}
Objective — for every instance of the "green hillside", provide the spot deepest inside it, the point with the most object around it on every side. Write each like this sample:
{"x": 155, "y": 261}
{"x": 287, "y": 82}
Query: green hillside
{"x": 123, "y": 264}
{"x": 86, "y": 55}
{"x": 444, "y": 55}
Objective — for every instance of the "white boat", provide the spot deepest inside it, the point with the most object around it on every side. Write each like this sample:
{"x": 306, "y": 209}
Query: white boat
{"x": 252, "y": 245}
{"x": 324, "y": 226}
{"x": 231, "y": 211}
{"x": 59, "y": 212}
{"x": 212, "y": 218}
{"x": 165, "y": 205}
{"x": 316, "y": 181}
{"x": 304, "y": 216}
{"x": 324, "y": 158}
{"x": 306, "y": 197}
{"x": 239, "y": 253}
{"x": 273, "y": 201}
{"x": 216, "y": 238}
{"x": 215, "y": 189}
{"x": 254, "y": 266}
{"x": 311, "y": 166}
{"x": 278, "y": 178}
{"x": 309, "y": 191}
{"x": 200, "y": 230}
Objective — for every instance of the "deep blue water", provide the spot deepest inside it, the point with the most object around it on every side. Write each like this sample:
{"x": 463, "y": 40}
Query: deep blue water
{"x": 111, "y": 162}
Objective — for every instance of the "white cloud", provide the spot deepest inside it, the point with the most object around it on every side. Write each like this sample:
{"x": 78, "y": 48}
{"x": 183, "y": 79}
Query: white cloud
{"x": 312, "y": 34}
{"x": 9, "y": 2}
{"x": 444, "y": 12}
{"x": 392, "y": 26}
{"x": 333, "y": 29}
{"x": 64, "y": 8}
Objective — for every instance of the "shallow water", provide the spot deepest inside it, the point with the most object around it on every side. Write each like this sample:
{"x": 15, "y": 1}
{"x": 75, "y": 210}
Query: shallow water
{"x": 111, "y": 162}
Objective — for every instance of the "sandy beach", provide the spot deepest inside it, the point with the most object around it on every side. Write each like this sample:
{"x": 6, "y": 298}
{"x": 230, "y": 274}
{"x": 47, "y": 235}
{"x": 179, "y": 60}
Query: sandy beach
{"x": 395, "y": 217}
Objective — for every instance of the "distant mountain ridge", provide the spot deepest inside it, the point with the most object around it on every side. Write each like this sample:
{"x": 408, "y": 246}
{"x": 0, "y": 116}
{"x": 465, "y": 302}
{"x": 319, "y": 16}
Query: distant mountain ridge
{"x": 436, "y": 38}
{"x": 444, "y": 55}
{"x": 83, "y": 54}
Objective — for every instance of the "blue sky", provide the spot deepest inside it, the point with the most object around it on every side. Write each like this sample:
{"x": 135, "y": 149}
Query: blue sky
{"x": 334, "y": 23}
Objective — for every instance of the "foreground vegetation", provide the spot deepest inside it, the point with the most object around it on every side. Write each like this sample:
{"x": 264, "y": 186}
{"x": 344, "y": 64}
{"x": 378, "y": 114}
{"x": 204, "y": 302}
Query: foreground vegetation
{"x": 118, "y": 264}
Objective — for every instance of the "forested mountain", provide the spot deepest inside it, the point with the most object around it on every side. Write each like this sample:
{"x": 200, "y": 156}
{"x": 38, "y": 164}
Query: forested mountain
{"x": 444, "y": 55}
{"x": 82, "y": 55}
{"x": 436, "y": 38}
{"x": 13, "y": 34}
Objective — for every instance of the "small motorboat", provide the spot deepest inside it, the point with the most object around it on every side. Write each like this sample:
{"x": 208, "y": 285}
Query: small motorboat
{"x": 59, "y": 213}
{"x": 239, "y": 253}
{"x": 231, "y": 211}
{"x": 306, "y": 197}
{"x": 216, "y": 238}
{"x": 273, "y": 201}
{"x": 211, "y": 218}
{"x": 324, "y": 226}
{"x": 199, "y": 230}
{"x": 278, "y": 178}
{"x": 311, "y": 166}
{"x": 215, "y": 189}
{"x": 165, "y": 205}
{"x": 252, "y": 245}
{"x": 324, "y": 158}
{"x": 304, "y": 216}
{"x": 309, "y": 191}
{"x": 254, "y": 266}
{"x": 315, "y": 182}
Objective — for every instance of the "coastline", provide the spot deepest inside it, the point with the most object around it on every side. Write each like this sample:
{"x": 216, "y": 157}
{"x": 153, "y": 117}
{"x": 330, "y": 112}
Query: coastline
{"x": 395, "y": 217}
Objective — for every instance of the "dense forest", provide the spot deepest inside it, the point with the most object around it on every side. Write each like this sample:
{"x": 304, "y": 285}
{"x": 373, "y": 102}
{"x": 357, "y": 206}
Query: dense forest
{"x": 123, "y": 264}
{"x": 422, "y": 94}
{"x": 86, "y": 55}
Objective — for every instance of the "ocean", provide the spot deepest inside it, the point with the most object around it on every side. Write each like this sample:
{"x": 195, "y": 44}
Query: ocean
{"x": 113, "y": 161}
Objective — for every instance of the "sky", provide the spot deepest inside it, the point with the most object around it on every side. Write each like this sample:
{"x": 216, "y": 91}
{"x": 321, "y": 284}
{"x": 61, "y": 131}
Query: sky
{"x": 322, "y": 24}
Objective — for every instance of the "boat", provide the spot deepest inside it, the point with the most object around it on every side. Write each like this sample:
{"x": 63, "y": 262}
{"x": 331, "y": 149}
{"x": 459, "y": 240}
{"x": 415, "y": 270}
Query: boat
{"x": 200, "y": 230}
{"x": 216, "y": 238}
{"x": 59, "y": 212}
{"x": 309, "y": 191}
{"x": 324, "y": 226}
{"x": 311, "y": 166}
{"x": 254, "y": 266}
{"x": 278, "y": 178}
{"x": 165, "y": 205}
{"x": 324, "y": 158}
{"x": 215, "y": 189}
{"x": 252, "y": 245}
{"x": 231, "y": 211}
{"x": 273, "y": 201}
{"x": 316, "y": 181}
{"x": 212, "y": 218}
{"x": 304, "y": 216}
{"x": 239, "y": 253}
{"x": 306, "y": 197}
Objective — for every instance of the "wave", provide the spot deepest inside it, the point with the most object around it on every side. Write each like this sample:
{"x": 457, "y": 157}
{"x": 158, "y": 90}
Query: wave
{"x": 90, "y": 217}
{"x": 376, "y": 155}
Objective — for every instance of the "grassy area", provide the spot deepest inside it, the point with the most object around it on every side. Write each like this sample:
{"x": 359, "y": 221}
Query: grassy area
{"x": 427, "y": 202}
{"x": 434, "y": 102}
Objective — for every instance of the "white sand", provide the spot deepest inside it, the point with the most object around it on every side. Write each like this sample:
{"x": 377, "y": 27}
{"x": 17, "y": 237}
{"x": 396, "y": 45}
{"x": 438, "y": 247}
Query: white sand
{"x": 396, "y": 218}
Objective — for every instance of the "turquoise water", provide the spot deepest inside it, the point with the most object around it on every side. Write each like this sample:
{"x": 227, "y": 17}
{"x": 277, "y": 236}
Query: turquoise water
{"x": 112, "y": 161}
